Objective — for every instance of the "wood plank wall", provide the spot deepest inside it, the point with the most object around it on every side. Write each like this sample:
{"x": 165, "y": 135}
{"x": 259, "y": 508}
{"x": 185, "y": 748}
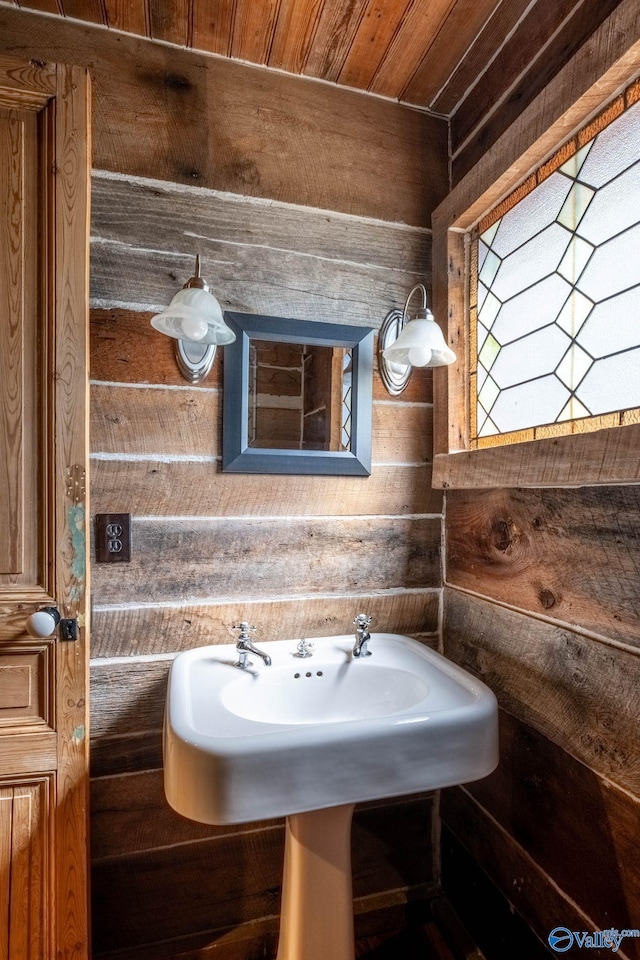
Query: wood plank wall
{"x": 543, "y": 603}
{"x": 172, "y": 114}
{"x": 193, "y": 153}
{"x": 292, "y": 554}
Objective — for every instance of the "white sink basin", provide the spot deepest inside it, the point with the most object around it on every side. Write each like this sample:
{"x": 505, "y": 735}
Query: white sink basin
{"x": 305, "y": 734}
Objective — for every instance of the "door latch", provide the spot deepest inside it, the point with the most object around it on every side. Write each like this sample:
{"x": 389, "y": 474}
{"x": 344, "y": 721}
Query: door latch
{"x": 69, "y": 629}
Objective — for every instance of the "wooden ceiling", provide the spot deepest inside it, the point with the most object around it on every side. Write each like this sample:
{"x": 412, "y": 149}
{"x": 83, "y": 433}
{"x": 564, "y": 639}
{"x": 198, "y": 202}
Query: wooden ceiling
{"x": 409, "y": 50}
{"x": 476, "y": 62}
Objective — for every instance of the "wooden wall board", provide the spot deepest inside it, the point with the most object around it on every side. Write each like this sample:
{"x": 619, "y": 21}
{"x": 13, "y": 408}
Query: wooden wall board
{"x": 580, "y": 693}
{"x": 128, "y": 695}
{"x": 271, "y": 135}
{"x": 130, "y": 814}
{"x": 150, "y": 630}
{"x": 187, "y": 423}
{"x": 236, "y": 878}
{"x": 274, "y": 283}
{"x": 126, "y": 753}
{"x": 545, "y": 799}
{"x": 127, "y": 420}
{"x": 228, "y": 559}
{"x": 191, "y": 488}
{"x": 487, "y": 910}
{"x": 155, "y": 215}
{"x": 530, "y": 890}
{"x": 573, "y": 555}
{"x": 126, "y": 349}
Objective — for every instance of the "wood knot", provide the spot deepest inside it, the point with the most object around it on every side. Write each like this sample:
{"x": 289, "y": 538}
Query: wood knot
{"x": 547, "y": 599}
{"x": 175, "y": 82}
{"x": 504, "y": 534}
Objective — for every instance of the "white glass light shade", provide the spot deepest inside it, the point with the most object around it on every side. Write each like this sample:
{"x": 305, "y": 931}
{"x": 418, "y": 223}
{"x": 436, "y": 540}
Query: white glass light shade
{"x": 420, "y": 344}
{"x": 195, "y": 315}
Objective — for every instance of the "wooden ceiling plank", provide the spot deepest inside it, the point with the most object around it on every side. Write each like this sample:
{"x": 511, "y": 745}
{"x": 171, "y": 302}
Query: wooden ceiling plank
{"x": 92, "y": 11}
{"x": 417, "y": 31}
{"x": 169, "y": 20}
{"x": 127, "y": 15}
{"x": 338, "y": 24}
{"x": 533, "y": 34}
{"x": 458, "y": 32}
{"x": 253, "y": 29}
{"x": 539, "y": 72}
{"x": 213, "y": 25}
{"x": 485, "y": 46}
{"x": 377, "y": 29}
{"x": 43, "y": 6}
{"x": 294, "y": 34}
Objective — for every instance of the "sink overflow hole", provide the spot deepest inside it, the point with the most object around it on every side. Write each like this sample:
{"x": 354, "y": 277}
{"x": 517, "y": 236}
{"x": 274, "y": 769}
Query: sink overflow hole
{"x": 296, "y": 676}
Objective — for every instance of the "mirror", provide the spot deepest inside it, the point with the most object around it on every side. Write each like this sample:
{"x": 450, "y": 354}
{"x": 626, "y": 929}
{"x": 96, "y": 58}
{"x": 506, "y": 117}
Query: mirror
{"x": 297, "y": 397}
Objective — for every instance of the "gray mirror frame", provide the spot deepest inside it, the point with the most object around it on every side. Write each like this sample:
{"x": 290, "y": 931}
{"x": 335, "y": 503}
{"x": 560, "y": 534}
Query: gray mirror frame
{"x": 237, "y": 456}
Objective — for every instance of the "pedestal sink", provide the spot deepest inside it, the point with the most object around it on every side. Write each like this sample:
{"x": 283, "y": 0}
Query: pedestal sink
{"x": 307, "y": 739}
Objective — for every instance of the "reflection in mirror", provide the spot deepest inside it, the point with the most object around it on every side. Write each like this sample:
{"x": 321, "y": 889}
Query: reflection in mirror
{"x": 299, "y": 396}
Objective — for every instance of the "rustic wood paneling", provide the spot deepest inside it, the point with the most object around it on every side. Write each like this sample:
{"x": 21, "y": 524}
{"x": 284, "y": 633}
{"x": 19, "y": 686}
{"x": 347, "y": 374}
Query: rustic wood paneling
{"x": 145, "y": 629}
{"x": 479, "y": 54}
{"x": 189, "y": 488}
{"x": 271, "y": 135}
{"x": 389, "y": 852}
{"x": 275, "y": 283}
{"x": 237, "y": 879}
{"x": 126, "y": 420}
{"x": 573, "y": 555}
{"x": 567, "y": 818}
{"x": 164, "y": 216}
{"x": 450, "y": 45}
{"x": 509, "y": 85}
{"x": 146, "y": 610}
{"x": 580, "y": 693}
{"x": 226, "y": 559}
{"x": 126, "y": 349}
{"x": 126, "y": 753}
{"x": 130, "y": 814}
{"x": 484, "y": 905}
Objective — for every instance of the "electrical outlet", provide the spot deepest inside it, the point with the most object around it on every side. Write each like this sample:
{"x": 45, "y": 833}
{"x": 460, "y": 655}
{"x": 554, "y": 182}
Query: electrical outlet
{"x": 113, "y": 537}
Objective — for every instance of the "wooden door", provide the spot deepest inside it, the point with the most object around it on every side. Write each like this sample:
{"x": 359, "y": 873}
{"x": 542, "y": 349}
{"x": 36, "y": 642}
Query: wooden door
{"x": 44, "y": 207}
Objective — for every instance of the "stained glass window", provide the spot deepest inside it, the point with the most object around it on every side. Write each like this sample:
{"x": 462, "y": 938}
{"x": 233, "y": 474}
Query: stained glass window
{"x": 555, "y": 291}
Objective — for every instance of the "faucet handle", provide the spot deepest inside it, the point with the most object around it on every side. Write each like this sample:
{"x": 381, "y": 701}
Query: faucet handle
{"x": 362, "y": 620}
{"x": 244, "y": 627}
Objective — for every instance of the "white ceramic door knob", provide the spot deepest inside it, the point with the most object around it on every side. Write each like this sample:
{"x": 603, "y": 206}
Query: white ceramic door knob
{"x": 42, "y": 623}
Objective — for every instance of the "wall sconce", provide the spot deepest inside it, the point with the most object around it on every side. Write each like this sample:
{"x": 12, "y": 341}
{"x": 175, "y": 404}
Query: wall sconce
{"x": 194, "y": 320}
{"x": 405, "y": 342}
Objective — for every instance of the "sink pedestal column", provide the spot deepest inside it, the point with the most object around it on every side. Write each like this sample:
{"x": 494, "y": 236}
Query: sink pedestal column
{"x": 316, "y": 919}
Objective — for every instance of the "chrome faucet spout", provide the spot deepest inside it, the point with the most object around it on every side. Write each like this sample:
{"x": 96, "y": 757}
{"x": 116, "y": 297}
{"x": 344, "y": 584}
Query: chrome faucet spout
{"x": 360, "y": 647}
{"x": 245, "y": 646}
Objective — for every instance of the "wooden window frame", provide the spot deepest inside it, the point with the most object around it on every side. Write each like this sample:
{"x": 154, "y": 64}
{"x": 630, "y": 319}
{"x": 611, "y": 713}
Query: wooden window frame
{"x": 601, "y": 70}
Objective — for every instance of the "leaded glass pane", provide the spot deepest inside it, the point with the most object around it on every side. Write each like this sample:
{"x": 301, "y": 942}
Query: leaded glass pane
{"x": 613, "y": 150}
{"x": 613, "y": 383}
{"x": 529, "y": 404}
{"x": 615, "y": 208}
{"x": 530, "y": 357}
{"x": 558, "y": 327}
{"x": 530, "y": 216}
{"x": 613, "y": 325}
{"x": 535, "y": 307}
